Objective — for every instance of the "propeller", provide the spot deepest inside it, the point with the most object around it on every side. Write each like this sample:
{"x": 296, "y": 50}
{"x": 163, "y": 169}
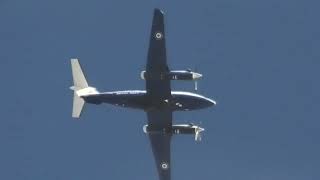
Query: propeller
{"x": 196, "y": 85}
{"x": 198, "y": 131}
{"x": 197, "y": 76}
{"x": 196, "y": 81}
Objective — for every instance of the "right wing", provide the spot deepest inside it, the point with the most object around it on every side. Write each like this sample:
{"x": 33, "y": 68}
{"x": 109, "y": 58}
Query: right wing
{"x": 157, "y": 87}
{"x": 161, "y": 121}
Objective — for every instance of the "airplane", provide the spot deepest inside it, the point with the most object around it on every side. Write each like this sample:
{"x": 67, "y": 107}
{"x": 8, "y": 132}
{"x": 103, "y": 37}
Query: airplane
{"x": 158, "y": 100}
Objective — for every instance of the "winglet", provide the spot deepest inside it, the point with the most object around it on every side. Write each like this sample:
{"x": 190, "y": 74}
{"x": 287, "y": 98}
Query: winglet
{"x": 158, "y": 11}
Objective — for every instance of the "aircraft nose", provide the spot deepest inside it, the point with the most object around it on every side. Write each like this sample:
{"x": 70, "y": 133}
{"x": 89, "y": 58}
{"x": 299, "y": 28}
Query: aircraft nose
{"x": 211, "y": 102}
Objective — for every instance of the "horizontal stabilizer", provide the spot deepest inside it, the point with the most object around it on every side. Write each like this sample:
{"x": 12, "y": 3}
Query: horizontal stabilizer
{"x": 79, "y": 80}
{"x": 78, "y": 104}
{"x": 80, "y": 88}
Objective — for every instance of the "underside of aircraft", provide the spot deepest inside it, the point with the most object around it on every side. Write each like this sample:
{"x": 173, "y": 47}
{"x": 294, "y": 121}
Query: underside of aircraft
{"x": 157, "y": 100}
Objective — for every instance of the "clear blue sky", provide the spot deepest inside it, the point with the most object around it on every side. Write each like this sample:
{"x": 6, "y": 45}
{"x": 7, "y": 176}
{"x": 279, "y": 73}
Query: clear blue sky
{"x": 260, "y": 61}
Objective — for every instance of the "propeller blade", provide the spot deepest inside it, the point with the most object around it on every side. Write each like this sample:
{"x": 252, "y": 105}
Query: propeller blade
{"x": 198, "y": 131}
{"x": 197, "y": 137}
{"x": 196, "y": 81}
{"x": 195, "y": 85}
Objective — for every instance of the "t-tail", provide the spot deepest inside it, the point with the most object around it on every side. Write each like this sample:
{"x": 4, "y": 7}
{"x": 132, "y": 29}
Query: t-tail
{"x": 80, "y": 88}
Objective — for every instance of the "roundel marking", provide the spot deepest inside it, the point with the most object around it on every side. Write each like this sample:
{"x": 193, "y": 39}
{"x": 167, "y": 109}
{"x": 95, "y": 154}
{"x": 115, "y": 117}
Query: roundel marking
{"x": 164, "y": 166}
{"x": 158, "y": 35}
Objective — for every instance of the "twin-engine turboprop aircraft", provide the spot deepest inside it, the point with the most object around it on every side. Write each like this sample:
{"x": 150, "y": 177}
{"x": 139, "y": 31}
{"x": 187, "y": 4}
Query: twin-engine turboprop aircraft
{"x": 158, "y": 101}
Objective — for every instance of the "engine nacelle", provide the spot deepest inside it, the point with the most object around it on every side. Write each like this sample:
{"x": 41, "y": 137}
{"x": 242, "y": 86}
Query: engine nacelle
{"x": 177, "y": 129}
{"x": 173, "y": 75}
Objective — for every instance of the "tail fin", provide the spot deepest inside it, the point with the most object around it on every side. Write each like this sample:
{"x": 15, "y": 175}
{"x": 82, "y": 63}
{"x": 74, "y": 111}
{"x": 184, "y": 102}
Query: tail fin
{"x": 80, "y": 88}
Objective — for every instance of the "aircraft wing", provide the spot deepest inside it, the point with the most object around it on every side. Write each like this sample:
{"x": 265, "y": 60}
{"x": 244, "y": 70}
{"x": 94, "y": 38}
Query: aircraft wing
{"x": 161, "y": 120}
{"x": 157, "y": 87}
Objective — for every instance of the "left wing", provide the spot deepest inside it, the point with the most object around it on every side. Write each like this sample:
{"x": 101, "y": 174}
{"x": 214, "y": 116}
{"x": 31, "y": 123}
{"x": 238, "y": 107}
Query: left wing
{"x": 157, "y": 87}
{"x": 161, "y": 121}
